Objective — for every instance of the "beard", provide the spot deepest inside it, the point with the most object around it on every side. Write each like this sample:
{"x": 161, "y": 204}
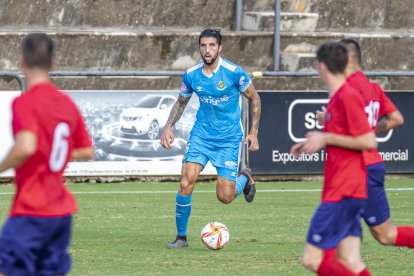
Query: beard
{"x": 213, "y": 59}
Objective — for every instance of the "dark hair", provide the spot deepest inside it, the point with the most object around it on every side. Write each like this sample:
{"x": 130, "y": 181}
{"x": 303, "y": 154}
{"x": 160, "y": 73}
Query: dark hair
{"x": 334, "y": 55}
{"x": 38, "y": 51}
{"x": 211, "y": 33}
{"x": 353, "y": 48}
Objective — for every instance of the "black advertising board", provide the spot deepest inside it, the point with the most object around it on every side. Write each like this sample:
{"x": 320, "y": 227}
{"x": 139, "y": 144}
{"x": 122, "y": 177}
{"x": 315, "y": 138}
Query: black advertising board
{"x": 287, "y": 116}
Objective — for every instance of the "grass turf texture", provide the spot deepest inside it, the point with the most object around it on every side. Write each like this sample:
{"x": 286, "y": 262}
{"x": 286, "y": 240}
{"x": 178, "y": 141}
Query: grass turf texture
{"x": 126, "y": 233}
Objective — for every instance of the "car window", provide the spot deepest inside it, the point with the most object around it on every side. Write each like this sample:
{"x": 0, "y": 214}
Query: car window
{"x": 148, "y": 102}
{"x": 168, "y": 101}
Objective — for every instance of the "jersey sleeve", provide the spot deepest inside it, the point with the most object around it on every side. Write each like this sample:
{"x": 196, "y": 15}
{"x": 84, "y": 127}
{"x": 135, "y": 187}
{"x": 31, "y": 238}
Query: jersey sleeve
{"x": 353, "y": 109}
{"x": 386, "y": 105}
{"x": 23, "y": 117}
{"x": 185, "y": 89}
{"x": 242, "y": 80}
{"x": 81, "y": 137}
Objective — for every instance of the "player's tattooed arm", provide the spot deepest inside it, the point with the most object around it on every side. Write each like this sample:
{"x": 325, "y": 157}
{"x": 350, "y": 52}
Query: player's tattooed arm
{"x": 177, "y": 110}
{"x": 254, "y": 97}
{"x": 167, "y": 138}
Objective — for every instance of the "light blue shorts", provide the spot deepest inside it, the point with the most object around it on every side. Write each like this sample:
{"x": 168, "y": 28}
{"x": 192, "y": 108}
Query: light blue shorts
{"x": 225, "y": 157}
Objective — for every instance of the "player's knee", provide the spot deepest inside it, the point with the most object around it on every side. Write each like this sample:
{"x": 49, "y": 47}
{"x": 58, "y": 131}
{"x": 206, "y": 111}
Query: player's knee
{"x": 352, "y": 261}
{"x": 225, "y": 198}
{"x": 311, "y": 262}
{"x": 186, "y": 186}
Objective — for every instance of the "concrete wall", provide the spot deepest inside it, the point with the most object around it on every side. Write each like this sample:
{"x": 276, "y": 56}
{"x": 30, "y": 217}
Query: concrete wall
{"x": 117, "y": 13}
{"x": 367, "y": 15}
{"x": 348, "y": 15}
{"x": 162, "y": 35}
{"x": 340, "y": 15}
{"x": 179, "y": 50}
{"x": 286, "y": 5}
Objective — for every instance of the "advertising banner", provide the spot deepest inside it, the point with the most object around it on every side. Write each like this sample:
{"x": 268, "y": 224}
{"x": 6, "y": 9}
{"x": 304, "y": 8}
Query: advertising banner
{"x": 125, "y": 127}
{"x": 6, "y": 140}
{"x": 288, "y": 116}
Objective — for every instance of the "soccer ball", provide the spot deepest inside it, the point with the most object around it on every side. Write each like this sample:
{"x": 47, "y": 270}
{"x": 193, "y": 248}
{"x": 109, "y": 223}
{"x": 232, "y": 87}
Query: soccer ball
{"x": 215, "y": 235}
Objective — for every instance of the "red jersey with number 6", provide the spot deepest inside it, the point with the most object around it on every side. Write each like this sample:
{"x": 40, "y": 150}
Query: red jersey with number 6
{"x": 377, "y": 104}
{"x": 59, "y": 127}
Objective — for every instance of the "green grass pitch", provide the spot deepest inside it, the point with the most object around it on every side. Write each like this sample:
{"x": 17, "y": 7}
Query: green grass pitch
{"x": 122, "y": 229}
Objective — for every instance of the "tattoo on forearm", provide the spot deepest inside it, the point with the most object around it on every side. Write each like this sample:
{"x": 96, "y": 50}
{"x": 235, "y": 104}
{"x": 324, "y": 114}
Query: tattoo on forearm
{"x": 256, "y": 108}
{"x": 256, "y": 111}
{"x": 177, "y": 110}
{"x": 247, "y": 93}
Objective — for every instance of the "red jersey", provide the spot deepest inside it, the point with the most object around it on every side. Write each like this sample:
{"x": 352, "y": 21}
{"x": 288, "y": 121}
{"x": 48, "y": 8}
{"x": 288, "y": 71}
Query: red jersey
{"x": 59, "y": 127}
{"x": 345, "y": 172}
{"x": 377, "y": 104}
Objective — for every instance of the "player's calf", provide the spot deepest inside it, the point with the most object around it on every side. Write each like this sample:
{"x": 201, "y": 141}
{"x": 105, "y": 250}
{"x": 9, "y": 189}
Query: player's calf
{"x": 311, "y": 262}
{"x": 225, "y": 198}
{"x": 384, "y": 234}
{"x": 353, "y": 262}
{"x": 225, "y": 190}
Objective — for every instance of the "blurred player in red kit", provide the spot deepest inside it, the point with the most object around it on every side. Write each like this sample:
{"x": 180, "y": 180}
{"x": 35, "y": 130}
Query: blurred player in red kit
{"x": 48, "y": 131}
{"x": 382, "y": 116}
{"x": 336, "y": 222}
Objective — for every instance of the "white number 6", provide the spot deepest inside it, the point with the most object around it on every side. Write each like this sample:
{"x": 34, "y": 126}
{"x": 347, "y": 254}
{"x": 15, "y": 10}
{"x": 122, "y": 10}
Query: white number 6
{"x": 60, "y": 147}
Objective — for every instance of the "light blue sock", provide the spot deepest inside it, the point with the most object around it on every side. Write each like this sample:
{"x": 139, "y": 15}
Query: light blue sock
{"x": 182, "y": 213}
{"x": 240, "y": 184}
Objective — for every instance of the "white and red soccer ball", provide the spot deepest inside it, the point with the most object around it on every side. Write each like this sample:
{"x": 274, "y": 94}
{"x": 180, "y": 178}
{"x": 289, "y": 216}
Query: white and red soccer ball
{"x": 215, "y": 235}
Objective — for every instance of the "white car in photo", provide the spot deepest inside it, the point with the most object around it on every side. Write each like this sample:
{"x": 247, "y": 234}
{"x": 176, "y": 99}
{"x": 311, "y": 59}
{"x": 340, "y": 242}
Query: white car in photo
{"x": 148, "y": 116}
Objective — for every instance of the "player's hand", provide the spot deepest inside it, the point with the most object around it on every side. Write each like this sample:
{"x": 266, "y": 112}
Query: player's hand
{"x": 320, "y": 115}
{"x": 254, "y": 142}
{"x": 297, "y": 149}
{"x": 315, "y": 140}
{"x": 167, "y": 137}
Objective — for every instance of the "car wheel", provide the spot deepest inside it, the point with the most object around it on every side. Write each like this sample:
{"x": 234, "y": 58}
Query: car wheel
{"x": 153, "y": 130}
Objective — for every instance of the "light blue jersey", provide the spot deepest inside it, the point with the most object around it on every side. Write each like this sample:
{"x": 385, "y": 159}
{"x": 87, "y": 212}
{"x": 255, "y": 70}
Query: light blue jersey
{"x": 218, "y": 118}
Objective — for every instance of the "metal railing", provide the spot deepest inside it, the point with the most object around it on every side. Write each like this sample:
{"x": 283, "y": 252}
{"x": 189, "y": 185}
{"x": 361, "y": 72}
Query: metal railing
{"x": 113, "y": 73}
{"x": 13, "y": 75}
{"x": 276, "y": 37}
{"x": 255, "y": 74}
{"x": 238, "y": 13}
{"x": 397, "y": 74}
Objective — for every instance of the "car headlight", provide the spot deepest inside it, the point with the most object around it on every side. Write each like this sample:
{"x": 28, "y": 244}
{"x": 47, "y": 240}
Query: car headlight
{"x": 131, "y": 118}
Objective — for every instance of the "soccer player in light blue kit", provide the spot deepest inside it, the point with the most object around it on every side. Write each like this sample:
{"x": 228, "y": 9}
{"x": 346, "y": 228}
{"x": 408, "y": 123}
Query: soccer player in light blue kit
{"x": 217, "y": 133}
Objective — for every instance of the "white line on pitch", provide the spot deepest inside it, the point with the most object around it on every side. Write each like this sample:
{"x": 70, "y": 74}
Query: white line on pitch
{"x": 212, "y": 191}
